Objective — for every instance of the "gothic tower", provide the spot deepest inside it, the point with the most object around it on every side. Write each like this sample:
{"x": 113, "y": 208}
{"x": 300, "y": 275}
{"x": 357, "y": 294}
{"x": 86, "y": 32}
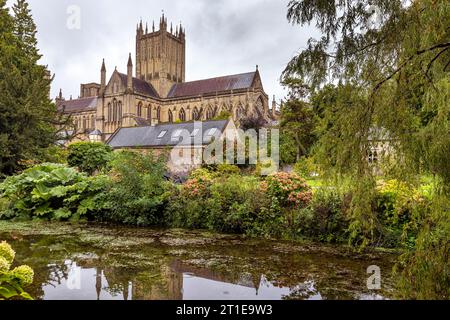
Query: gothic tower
{"x": 161, "y": 56}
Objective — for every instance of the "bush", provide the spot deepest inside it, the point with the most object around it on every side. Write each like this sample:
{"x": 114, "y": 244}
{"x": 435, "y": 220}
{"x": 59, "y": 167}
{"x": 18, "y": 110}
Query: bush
{"x": 401, "y": 210}
{"x": 288, "y": 190}
{"x": 138, "y": 192}
{"x": 13, "y": 281}
{"x": 323, "y": 219}
{"x": 225, "y": 204}
{"x": 51, "y": 191}
{"x": 89, "y": 157}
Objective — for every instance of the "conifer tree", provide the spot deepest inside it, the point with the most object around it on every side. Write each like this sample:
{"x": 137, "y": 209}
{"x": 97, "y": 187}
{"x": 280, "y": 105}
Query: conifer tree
{"x": 27, "y": 115}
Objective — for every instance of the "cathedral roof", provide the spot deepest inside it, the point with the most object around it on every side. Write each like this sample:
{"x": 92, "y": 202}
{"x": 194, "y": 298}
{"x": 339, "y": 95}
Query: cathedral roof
{"x": 140, "y": 86}
{"x": 163, "y": 135}
{"x": 78, "y": 105}
{"x": 201, "y": 87}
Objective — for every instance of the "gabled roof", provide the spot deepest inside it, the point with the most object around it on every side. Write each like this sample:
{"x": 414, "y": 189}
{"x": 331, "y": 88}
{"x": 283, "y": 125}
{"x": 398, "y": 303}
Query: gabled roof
{"x": 201, "y": 87}
{"x": 78, "y": 105}
{"x": 152, "y": 136}
{"x": 139, "y": 86}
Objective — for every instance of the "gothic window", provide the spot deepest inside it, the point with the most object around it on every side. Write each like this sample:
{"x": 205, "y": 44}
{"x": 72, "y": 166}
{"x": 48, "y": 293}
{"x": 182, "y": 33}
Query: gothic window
{"x": 260, "y": 104}
{"x": 158, "y": 114}
{"x": 120, "y": 112}
{"x": 182, "y": 115}
{"x": 139, "y": 110}
{"x": 92, "y": 122}
{"x": 84, "y": 123}
{"x": 240, "y": 112}
{"x": 195, "y": 114}
{"x": 170, "y": 116}
{"x": 210, "y": 113}
{"x": 149, "y": 112}
{"x": 109, "y": 112}
{"x": 114, "y": 110}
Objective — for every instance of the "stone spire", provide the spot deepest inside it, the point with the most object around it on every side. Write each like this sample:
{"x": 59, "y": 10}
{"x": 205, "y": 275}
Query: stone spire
{"x": 103, "y": 78}
{"x": 130, "y": 74}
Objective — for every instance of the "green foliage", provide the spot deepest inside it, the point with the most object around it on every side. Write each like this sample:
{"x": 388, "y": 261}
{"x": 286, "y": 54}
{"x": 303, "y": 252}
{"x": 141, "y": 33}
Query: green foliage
{"x": 424, "y": 273}
{"x": 223, "y": 115}
{"x": 138, "y": 191}
{"x": 51, "y": 191}
{"x": 28, "y": 118}
{"x": 13, "y": 281}
{"x": 305, "y": 167}
{"x": 297, "y": 125}
{"x": 89, "y": 157}
{"x": 226, "y": 204}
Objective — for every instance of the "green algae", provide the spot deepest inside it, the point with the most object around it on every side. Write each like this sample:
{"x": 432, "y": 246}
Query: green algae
{"x": 154, "y": 262}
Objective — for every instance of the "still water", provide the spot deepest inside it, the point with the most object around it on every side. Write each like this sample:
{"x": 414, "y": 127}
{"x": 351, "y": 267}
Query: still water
{"x": 92, "y": 262}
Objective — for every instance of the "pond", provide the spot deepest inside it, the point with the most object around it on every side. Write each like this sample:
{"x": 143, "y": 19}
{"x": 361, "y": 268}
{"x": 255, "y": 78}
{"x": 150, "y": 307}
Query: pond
{"x": 84, "y": 261}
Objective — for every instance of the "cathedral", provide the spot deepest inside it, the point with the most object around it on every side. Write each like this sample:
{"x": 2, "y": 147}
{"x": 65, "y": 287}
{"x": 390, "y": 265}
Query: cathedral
{"x": 157, "y": 93}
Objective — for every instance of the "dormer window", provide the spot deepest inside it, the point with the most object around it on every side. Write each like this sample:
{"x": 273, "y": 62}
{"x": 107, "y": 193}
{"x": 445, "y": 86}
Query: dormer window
{"x": 176, "y": 134}
{"x": 195, "y": 132}
{"x": 162, "y": 134}
{"x": 211, "y": 132}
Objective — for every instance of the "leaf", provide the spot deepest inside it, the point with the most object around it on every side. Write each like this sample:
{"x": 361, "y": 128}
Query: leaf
{"x": 62, "y": 213}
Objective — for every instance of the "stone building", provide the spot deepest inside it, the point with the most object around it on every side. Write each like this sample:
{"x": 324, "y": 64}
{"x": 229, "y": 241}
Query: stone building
{"x": 158, "y": 92}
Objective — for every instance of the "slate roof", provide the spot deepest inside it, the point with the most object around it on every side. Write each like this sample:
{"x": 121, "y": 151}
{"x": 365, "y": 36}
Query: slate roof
{"x": 78, "y": 105}
{"x": 140, "y": 86}
{"x": 149, "y": 136}
{"x": 201, "y": 87}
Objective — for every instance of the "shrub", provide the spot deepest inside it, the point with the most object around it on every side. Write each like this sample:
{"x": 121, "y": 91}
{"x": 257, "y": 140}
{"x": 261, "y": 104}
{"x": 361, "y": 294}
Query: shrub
{"x": 401, "y": 210}
{"x": 13, "y": 281}
{"x": 138, "y": 192}
{"x": 323, "y": 219}
{"x": 89, "y": 157}
{"x": 288, "y": 190}
{"x": 51, "y": 191}
{"x": 225, "y": 204}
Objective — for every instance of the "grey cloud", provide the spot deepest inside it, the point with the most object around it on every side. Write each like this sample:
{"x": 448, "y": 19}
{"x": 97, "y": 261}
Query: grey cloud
{"x": 223, "y": 37}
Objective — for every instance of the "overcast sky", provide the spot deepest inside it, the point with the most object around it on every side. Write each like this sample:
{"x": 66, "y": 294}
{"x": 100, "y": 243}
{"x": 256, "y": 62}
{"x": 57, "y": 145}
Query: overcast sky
{"x": 223, "y": 37}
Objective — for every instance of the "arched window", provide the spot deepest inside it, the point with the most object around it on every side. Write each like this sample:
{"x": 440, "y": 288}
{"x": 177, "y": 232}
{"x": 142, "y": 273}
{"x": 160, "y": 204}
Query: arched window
{"x": 84, "y": 123}
{"x": 195, "y": 114}
{"x": 139, "y": 110}
{"x": 158, "y": 114}
{"x": 114, "y": 110}
{"x": 92, "y": 122}
{"x": 119, "y": 118}
{"x": 260, "y": 104}
{"x": 240, "y": 112}
{"x": 182, "y": 115}
{"x": 170, "y": 116}
{"x": 149, "y": 112}
{"x": 109, "y": 112}
{"x": 210, "y": 113}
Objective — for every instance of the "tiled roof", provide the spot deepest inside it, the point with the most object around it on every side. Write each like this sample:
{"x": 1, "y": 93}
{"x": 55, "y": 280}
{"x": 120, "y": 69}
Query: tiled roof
{"x": 78, "y": 105}
{"x": 140, "y": 86}
{"x": 200, "y": 87}
{"x": 152, "y": 136}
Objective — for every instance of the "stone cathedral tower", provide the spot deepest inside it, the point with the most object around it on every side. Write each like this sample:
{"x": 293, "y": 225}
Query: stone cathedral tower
{"x": 161, "y": 56}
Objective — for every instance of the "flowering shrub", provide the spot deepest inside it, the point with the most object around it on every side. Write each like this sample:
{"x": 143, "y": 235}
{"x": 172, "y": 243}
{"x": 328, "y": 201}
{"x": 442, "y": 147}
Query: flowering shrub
{"x": 13, "y": 281}
{"x": 197, "y": 187}
{"x": 288, "y": 189}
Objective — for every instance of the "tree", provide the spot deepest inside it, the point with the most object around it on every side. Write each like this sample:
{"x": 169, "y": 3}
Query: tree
{"x": 25, "y": 30}
{"x": 297, "y": 124}
{"x": 28, "y": 118}
{"x": 392, "y": 59}
{"x": 89, "y": 157}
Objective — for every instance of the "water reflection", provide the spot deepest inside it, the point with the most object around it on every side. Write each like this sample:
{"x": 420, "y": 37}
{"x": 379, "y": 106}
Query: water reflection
{"x": 73, "y": 267}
